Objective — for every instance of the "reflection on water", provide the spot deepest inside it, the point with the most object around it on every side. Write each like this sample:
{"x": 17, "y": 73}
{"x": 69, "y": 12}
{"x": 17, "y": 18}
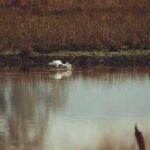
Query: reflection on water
{"x": 61, "y": 74}
{"x": 92, "y": 109}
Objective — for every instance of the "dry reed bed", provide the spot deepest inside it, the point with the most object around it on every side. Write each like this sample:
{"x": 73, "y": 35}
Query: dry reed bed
{"x": 75, "y": 25}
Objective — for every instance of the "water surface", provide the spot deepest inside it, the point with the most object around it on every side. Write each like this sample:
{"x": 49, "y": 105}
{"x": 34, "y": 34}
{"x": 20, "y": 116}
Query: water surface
{"x": 82, "y": 109}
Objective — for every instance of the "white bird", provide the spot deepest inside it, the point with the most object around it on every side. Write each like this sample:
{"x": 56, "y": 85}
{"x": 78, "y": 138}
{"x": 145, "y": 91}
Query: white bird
{"x": 58, "y": 63}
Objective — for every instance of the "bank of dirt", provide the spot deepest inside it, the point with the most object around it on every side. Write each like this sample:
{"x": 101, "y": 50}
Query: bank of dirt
{"x": 80, "y": 58}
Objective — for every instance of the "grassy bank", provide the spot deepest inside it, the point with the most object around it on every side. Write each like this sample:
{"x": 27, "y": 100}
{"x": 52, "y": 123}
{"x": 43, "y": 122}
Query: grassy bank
{"x": 50, "y": 25}
{"x": 79, "y": 58}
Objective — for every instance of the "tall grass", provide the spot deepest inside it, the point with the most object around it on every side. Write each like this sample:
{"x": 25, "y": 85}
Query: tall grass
{"x": 75, "y": 24}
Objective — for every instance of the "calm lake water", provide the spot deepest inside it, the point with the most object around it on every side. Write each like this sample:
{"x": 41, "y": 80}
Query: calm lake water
{"x": 82, "y": 109}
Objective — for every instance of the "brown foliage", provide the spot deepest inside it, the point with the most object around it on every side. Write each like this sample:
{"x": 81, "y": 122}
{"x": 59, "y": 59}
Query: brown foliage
{"x": 76, "y": 24}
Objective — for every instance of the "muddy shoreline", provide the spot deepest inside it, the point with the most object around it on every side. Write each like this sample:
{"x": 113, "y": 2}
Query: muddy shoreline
{"x": 81, "y": 58}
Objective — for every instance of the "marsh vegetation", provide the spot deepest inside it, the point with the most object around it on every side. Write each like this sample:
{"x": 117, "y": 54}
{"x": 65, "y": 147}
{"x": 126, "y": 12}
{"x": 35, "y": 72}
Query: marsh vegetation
{"x": 49, "y": 25}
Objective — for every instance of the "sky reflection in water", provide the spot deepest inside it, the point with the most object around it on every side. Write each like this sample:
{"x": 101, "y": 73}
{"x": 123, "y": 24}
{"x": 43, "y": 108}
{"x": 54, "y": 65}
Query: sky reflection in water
{"x": 64, "y": 110}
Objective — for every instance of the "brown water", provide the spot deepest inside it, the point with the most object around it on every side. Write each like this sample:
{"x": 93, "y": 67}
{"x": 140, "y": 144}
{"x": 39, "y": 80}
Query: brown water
{"x": 82, "y": 109}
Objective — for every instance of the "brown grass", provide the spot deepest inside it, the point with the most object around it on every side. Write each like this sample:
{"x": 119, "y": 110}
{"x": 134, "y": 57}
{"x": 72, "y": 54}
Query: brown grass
{"x": 75, "y": 24}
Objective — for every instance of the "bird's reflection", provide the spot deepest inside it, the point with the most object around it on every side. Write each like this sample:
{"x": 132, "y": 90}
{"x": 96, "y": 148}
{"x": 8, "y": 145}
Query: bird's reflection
{"x": 60, "y": 75}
